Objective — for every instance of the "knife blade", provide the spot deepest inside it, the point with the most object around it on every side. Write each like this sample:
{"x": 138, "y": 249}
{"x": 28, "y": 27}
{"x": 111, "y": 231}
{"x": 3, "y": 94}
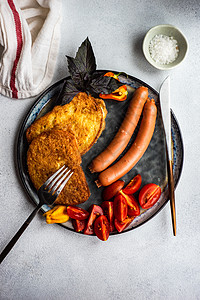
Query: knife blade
{"x": 166, "y": 118}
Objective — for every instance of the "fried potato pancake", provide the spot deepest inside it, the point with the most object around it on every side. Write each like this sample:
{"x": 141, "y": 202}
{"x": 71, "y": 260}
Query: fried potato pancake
{"x": 85, "y": 115}
{"x": 48, "y": 152}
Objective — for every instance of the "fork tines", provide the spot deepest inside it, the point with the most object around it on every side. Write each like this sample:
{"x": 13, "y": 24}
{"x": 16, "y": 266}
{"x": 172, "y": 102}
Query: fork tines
{"x": 58, "y": 180}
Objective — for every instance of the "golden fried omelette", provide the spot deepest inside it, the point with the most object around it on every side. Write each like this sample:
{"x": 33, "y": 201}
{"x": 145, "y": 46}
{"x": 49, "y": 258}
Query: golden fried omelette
{"x": 85, "y": 115}
{"x": 48, "y": 152}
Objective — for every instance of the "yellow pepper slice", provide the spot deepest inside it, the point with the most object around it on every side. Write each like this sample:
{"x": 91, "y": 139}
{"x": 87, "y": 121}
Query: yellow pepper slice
{"x": 58, "y": 214}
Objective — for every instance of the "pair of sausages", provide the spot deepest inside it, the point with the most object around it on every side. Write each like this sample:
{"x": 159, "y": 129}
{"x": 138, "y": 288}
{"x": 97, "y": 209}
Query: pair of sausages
{"x": 139, "y": 103}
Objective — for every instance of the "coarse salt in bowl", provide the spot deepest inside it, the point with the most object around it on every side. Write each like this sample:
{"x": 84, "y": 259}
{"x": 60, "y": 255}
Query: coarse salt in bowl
{"x": 165, "y": 46}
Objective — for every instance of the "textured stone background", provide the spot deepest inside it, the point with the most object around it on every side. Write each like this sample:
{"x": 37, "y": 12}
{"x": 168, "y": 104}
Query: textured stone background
{"x": 49, "y": 262}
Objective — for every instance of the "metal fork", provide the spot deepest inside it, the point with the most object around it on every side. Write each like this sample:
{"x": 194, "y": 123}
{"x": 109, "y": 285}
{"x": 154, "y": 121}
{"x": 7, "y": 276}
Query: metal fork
{"x": 47, "y": 194}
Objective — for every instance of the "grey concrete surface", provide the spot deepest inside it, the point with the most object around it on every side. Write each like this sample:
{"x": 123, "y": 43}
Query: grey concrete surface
{"x": 50, "y": 262}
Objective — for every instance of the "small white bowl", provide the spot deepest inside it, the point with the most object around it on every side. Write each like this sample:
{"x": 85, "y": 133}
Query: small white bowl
{"x": 168, "y": 30}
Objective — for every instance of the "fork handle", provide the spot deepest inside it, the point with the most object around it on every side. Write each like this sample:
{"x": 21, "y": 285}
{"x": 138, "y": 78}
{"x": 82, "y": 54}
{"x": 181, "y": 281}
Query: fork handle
{"x": 19, "y": 233}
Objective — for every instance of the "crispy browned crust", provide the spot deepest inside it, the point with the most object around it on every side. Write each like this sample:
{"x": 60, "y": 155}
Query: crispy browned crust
{"x": 85, "y": 115}
{"x": 47, "y": 153}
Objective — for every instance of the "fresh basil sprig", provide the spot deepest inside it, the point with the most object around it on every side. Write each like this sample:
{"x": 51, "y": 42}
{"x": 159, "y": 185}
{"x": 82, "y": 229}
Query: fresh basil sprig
{"x": 84, "y": 77}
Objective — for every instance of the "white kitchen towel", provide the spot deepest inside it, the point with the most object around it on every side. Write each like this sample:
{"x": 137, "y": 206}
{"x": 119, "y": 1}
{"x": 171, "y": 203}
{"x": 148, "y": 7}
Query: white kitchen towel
{"x": 30, "y": 37}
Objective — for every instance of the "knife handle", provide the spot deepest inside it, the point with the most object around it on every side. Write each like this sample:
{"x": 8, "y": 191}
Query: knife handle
{"x": 171, "y": 194}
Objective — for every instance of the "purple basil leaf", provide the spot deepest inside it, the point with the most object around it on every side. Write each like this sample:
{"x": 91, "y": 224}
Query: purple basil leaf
{"x": 83, "y": 65}
{"x": 103, "y": 84}
{"x": 85, "y": 57}
{"x": 77, "y": 76}
{"x": 68, "y": 92}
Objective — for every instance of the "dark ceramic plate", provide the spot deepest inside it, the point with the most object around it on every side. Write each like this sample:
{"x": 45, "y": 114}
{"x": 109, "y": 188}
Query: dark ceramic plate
{"x": 152, "y": 165}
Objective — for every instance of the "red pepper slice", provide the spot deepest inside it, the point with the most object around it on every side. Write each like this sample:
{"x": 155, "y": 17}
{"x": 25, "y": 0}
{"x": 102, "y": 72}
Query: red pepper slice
{"x": 95, "y": 211}
{"x": 134, "y": 185}
{"x": 120, "y": 94}
{"x": 111, "y": 74}
{"x": 149, "y": 195}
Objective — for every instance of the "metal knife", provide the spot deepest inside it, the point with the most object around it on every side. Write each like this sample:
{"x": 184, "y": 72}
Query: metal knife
{"x": 166, "y": 117}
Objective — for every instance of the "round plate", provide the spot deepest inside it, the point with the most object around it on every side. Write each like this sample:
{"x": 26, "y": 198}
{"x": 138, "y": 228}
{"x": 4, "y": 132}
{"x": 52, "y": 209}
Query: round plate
{"x": 152, "y": 166}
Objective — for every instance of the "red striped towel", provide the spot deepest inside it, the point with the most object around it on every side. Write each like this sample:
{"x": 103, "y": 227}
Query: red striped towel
{"x": 30, "y": 36}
